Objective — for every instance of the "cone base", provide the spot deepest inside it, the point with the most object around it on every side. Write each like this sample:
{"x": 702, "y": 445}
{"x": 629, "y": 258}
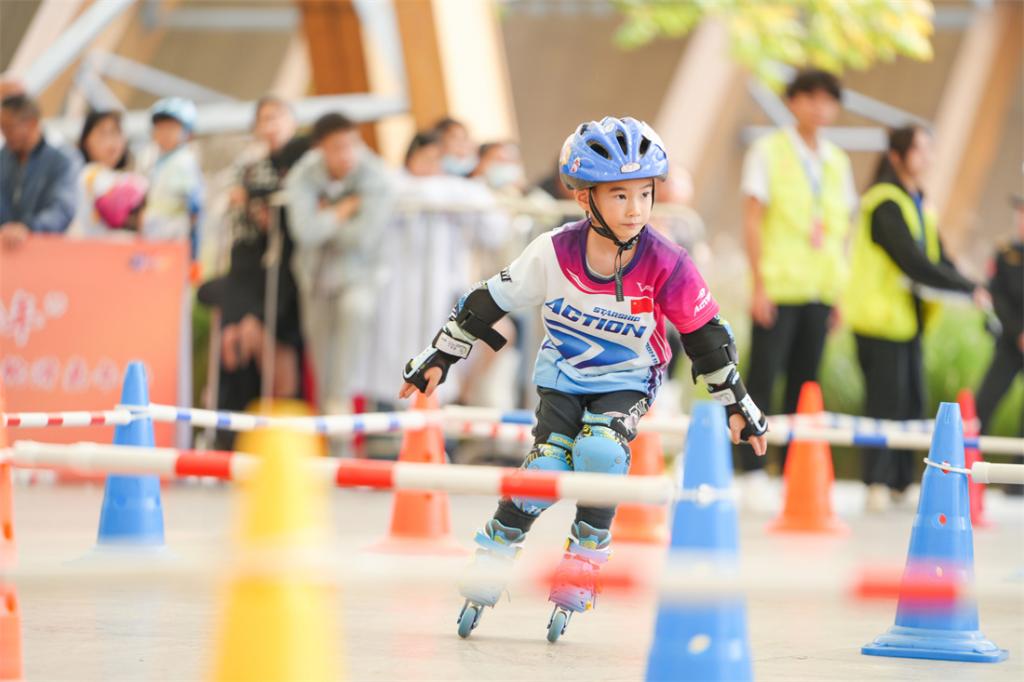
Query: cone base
{"x": 444, "y": 546}
{"x": 938, "y": 645}
{"x": 831, "y": 525}
{"x": 109, "y": 553}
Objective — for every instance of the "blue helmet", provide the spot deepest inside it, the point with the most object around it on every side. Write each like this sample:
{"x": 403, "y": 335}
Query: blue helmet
{"x": 614, "y": 149}
{"x": 180, "y": 109}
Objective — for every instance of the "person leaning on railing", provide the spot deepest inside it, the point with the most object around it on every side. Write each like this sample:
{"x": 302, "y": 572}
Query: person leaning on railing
{"x": 340, "y": 197}
{"x": 37, "y": 180}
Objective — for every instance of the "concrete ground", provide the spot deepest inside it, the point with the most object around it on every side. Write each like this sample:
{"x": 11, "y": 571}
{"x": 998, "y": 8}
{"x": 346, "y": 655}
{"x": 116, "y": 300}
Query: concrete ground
{"x": 87, "y": 626}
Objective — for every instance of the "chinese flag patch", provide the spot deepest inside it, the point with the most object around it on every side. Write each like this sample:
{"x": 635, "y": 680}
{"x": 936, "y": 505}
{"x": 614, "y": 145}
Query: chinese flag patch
{"x": 641, "y": 305}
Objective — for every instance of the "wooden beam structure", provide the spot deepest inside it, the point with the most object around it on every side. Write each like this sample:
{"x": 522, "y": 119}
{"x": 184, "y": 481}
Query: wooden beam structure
{"x": 428, "y": 97}
{"x": 455, "y": 65}
{"x": 972, "y": 115}
{"x": 335, "y": 39}
{"x": 693, "y": 111}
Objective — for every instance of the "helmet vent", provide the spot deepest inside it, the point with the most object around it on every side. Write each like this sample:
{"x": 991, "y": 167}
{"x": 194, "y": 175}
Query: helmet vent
{"x": 644, "y": 145}
{"x": 620, "y": 137}
{"x": 599, "y": 148}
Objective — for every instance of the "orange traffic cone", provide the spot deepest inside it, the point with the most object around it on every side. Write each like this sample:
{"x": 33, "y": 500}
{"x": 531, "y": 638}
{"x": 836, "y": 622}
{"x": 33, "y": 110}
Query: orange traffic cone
{"x": 643, "y": 523}
{"x": 809, "y": 476}
{"x": 419, "y": 519}
{"x": 7, "y": 552}
{"x": 972, "y": 429}
{"x": 10, "y": 633}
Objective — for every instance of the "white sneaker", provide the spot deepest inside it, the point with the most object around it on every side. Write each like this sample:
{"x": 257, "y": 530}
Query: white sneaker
{"x": 878, "y": 498}
{"x": 758, "y": 494}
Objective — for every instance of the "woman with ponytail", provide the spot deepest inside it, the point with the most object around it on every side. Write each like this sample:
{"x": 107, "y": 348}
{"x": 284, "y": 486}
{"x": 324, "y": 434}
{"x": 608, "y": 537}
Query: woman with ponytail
{"x": 896, "y": 255}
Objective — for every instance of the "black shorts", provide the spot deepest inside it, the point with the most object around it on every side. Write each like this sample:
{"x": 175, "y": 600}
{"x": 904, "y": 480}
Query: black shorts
{"x": 563, "y": 413}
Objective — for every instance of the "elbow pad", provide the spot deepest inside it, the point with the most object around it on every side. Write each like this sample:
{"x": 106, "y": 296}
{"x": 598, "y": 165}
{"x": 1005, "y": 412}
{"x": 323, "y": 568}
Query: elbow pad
{"x": 472, "y": 318}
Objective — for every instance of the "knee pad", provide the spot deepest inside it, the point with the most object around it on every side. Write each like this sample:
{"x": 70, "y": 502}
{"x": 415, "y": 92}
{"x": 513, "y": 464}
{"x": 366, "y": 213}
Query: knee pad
{"x": 553, "y": 455}
{"x": 600, "y": 448}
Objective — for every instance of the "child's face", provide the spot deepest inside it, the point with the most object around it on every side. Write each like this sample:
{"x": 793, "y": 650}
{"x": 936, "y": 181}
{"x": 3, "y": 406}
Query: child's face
{"x": 625, "y": 205}
{"x": 168, "y": 134}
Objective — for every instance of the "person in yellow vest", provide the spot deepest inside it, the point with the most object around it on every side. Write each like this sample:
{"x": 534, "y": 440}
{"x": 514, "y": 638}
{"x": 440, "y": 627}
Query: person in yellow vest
{"x": 799, "y": 198}
{"x": 896, "y": 252}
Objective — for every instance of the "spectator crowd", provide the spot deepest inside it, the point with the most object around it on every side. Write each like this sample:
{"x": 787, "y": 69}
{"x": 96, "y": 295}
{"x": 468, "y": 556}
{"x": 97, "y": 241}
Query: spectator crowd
{"x": 340, "y": 266}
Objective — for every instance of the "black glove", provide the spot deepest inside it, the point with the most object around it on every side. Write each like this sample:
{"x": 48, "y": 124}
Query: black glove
{"x": 733, "y": 394}
{"x": 416, "y": 368}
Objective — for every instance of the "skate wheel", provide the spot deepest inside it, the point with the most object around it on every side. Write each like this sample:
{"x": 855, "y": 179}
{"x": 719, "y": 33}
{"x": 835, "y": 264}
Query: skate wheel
{"x": 468, "y": 618}
{"x": 557, "y": 625}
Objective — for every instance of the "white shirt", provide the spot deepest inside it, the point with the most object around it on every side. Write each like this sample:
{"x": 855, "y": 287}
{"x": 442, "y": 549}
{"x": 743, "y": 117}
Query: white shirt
{"x": 428, "y": 265}
{"x": 755, "y": 181}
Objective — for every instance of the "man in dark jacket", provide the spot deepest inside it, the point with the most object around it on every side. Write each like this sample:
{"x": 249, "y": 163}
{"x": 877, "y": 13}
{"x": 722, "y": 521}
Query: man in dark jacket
{"x": 1007, "y": 289}
{"x": 37, "y": 181}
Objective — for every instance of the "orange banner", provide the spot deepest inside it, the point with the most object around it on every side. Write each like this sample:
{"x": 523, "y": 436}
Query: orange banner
{"x": 73, "y": 314}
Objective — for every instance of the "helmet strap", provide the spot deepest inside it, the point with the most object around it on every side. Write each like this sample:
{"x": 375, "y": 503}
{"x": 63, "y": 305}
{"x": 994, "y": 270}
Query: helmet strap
{"x": 598, "y": 225}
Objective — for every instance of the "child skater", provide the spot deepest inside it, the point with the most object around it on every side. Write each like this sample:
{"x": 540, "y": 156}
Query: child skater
{"x": 605, "y": 285}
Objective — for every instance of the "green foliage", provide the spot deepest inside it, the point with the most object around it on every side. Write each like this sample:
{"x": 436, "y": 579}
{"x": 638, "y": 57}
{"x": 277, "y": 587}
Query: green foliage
{"x": 201, "y": 318}
{"x": 829, "y": 34}
{"x": 957, "y": 352}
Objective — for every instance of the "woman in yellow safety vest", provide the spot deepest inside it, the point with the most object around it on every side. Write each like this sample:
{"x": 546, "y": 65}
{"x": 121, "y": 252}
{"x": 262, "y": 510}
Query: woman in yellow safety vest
{"x": 896, "y": 255}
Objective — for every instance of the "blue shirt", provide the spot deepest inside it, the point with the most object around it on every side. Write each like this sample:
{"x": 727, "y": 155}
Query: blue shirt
{"x": 41, "y": 193}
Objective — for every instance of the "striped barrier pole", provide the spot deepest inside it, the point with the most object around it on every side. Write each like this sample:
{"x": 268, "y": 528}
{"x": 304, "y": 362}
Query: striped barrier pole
{"x": 590, "y": 488}
{"x": 43, "y": 419}
{"x": 505, "y": 431}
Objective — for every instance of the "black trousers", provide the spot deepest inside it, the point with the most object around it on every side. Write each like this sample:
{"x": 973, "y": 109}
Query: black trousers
{"x": 792, "y": 347}
{"x": 894, "y": 388}
{"x": 563, "y": 413}
{"x": 1007, "y": 362}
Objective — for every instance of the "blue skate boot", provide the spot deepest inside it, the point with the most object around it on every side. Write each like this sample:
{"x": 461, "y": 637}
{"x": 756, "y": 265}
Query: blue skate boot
{"x": 485, "y": 579}
{"x": 575, "y": 585}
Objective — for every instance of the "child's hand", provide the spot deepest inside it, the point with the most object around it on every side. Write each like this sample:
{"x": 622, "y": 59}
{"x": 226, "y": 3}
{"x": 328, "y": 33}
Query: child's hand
{"x": 433, "y": 377}
{"x": 736, "y": 426}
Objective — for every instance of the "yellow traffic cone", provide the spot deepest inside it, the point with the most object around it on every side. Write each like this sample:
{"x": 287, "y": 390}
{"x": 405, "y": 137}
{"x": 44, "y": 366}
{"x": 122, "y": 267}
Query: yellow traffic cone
{"x": 277, "y": 623}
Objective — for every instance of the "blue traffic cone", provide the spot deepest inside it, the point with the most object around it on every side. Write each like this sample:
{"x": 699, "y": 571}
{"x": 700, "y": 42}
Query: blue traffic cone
{"x": 132, "y": 513}
{"x": 703, "y": 640}
{"x": 942, "y": 555}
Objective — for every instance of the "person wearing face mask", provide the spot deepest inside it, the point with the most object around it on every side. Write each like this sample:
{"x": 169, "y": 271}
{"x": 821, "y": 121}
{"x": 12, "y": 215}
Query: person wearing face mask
{"x": 896, "y": 252}
{"x": 500, "y": 168}
{"x": 458, "y": 153}
{"x": 445, "y": 226}
{"x": 339, "y": 200}
{"x": 110, "y": 196}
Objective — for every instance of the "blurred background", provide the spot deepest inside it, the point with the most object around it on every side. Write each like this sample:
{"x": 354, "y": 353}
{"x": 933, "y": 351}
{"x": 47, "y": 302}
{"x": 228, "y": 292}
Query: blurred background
{"x": 514, "y": 77}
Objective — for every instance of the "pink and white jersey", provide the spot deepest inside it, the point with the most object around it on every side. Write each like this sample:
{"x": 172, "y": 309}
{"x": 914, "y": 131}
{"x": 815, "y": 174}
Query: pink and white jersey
{"x": 593, "y": 343}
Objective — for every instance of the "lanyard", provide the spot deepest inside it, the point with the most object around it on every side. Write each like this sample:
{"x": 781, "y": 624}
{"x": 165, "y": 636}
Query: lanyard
{"x": 815, "y": 182}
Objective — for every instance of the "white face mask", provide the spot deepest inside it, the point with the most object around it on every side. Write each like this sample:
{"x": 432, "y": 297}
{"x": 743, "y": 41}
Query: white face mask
{"x": 501, "y": 175}
{"x": 458, "y": 165}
